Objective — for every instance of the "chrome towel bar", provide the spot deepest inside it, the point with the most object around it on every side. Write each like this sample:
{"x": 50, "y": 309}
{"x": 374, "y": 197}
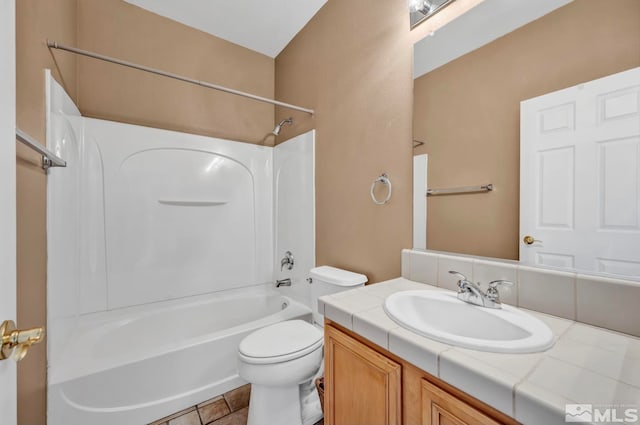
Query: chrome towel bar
{"x": 464, "y": 189}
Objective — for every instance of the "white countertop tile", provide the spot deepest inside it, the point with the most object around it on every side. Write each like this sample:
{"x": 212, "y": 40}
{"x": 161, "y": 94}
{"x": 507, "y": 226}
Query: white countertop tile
{"x": 576, "y": 383}
{"x": 374, "y": 324}
{"x": 384, "y": 289}
{"x": 538, "y": 406}
{"x": 484, "y": 381}
{"x": 618, "y": 365}
{"x": 518, "y": 365}
{"x": 558, "y": 325}
{"x": 605, "y": 339}
{"x": 420, "y": 351}
{"x": 340, "y": 307}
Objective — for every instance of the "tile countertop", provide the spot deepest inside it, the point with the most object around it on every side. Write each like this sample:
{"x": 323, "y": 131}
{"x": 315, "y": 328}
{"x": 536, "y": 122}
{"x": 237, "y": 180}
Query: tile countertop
{"x": 586, "y": 365}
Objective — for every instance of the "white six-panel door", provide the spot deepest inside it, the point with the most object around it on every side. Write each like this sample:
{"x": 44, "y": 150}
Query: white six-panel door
{"x": 580, "y": 176}
{"x": 7, "y": 201}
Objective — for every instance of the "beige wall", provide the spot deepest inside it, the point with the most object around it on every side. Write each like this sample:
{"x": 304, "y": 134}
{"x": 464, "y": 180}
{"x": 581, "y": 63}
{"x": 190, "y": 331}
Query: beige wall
{"x": 35, "y": 21}
{"x": 353, "y": 64}
{"x": 113, "y": 92}
{"x": 468, "y": 113}
{"x": 106, "y": 91}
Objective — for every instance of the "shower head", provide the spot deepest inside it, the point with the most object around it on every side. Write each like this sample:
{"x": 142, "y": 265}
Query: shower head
{"x": 288, "y": 121}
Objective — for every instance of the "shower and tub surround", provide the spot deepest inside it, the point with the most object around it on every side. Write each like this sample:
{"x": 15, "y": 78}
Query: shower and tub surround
{"x": 161, "y": 259}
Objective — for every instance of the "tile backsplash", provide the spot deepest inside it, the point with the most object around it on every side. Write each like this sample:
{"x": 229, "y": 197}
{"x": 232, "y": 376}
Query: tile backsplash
{"x": 547, "y": 291}
{"x": 605, "y": 302}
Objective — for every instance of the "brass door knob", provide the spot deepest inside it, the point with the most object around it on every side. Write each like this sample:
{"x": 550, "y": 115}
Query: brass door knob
{"x": 18, "y": 340}
{"x": 529, "y": 240}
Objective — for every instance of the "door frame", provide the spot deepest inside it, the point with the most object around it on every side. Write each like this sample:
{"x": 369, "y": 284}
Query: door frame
{"x": 8, "y": 398}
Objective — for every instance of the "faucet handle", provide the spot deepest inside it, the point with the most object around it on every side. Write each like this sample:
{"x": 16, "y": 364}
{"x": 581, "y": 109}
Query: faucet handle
{"x": 492, "y": 292}
{"x": 460, "y": 276}
{"x": 495, "y": 283}
{"x": 287, "y": 261}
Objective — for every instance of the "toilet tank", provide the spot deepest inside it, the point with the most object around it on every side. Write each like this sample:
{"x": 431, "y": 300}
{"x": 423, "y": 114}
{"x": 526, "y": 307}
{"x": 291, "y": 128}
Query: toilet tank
{"x": 326, "y": 280}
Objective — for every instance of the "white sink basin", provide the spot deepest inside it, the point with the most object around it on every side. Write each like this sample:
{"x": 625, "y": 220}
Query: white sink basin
{"x": 445, "y": 318}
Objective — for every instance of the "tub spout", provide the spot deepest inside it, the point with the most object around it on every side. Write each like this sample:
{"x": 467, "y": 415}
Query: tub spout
{"x": 283, "y": 282}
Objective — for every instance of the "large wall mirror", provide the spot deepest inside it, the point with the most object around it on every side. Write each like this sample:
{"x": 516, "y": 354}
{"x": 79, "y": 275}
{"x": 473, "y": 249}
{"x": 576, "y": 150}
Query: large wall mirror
{"x": 470, "y": 79}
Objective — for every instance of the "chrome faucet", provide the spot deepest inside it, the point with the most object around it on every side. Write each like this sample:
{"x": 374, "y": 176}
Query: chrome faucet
{"x": 283, "y": 282}
{"x": 471, "y": 293}
{"x": 287, "y": 261}
{"x": 467, "y": 290}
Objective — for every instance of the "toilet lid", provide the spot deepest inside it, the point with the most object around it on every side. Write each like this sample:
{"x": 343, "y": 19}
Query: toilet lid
{"x": 280, "y": 342}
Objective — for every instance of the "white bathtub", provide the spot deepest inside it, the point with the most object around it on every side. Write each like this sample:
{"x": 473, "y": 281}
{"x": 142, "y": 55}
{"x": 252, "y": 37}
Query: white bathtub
{"x": 135, "y": 365}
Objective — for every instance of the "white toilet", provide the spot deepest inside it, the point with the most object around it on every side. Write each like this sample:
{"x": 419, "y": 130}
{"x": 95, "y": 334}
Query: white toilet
{"x": 281, "y": 359}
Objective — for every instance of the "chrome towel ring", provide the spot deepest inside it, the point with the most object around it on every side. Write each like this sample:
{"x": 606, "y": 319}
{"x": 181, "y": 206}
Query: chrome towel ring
{"x": 384, "y": 179}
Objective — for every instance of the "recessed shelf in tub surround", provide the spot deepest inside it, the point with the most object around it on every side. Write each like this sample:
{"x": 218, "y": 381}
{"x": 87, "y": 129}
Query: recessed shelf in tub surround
{"x": 587, "y": 364}
{"x": 187, "y": 203}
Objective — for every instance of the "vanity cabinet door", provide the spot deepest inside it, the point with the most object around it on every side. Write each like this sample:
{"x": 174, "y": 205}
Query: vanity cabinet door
{"x": 362, "y": 387}
{"x": 441, "y": 408}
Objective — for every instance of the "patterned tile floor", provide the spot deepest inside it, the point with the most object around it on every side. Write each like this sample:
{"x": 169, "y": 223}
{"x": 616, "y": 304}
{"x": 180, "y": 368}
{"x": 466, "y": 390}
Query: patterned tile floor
{"x": 231, "y": 408}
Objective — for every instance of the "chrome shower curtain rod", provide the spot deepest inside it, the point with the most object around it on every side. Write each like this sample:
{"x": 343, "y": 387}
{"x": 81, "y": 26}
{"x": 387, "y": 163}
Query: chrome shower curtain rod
{"x": 56, "y": 45}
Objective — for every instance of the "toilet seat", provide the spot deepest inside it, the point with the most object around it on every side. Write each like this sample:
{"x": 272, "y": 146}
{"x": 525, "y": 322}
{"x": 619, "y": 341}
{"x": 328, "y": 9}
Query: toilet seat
{"x": 280, "y": 342}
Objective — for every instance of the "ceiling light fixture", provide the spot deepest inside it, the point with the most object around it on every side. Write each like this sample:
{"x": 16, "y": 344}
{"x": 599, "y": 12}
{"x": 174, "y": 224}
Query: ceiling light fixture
{"x": 414, "y": 5}
{"x": 420, "y": 10}
{"x": 423, "y": 6}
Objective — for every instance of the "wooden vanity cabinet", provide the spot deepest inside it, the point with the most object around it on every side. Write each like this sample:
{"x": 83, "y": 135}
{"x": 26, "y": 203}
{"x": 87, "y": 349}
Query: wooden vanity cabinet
{"x": 367, "y": 385}
{"x": 362, "y": 387}
{"x": 441, "y": 408}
